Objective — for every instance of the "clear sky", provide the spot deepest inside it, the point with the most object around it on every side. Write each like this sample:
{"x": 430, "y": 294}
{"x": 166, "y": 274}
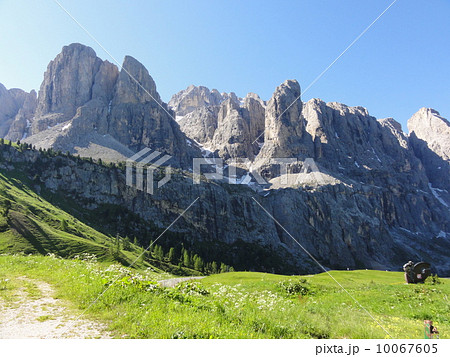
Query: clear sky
{"x": 401, "y": 64}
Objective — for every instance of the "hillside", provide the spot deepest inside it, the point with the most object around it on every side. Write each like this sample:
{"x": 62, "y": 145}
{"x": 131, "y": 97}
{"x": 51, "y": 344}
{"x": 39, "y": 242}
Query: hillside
{"x": 30, "y": 224}
{"x": 234, "y": 305}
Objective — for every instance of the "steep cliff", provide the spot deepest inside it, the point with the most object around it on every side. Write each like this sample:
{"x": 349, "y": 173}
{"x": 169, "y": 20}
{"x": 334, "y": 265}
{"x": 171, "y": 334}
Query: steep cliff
{"x": 343, "y": 226}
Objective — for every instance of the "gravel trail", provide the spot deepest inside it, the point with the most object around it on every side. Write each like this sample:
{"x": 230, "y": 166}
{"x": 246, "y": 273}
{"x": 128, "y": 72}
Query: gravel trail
{"x": 43, "y": 316}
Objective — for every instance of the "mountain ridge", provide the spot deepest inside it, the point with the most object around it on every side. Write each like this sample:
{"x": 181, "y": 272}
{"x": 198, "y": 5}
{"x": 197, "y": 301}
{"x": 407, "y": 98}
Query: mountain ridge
{"x": 384, "y": 195}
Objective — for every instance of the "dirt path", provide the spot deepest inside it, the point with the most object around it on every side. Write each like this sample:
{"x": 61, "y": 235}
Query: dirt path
{"x": 43, "y": 316}
{"x": 170, "y": 283}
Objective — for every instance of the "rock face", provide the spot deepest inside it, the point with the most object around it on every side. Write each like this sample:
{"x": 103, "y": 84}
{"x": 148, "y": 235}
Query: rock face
{"x": 139, "y": 119}
{"x": 127, "y": 91}
{"x": 86, "y": 106}
{"x": 16, "y": 107}
{"x": 68, "y": 81}
{"x": 222, "y": 123}
{"x": 429, "y": 134}
{"x": 193, "y": 97}
{"x": 232, "y": 136}
{"x": 359, "y": 226}
{"x": 348, "y": 142}
{"x": 283, "y": 123}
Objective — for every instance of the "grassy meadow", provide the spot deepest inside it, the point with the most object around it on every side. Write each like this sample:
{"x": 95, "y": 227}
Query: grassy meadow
{"x": 237, "y": 304}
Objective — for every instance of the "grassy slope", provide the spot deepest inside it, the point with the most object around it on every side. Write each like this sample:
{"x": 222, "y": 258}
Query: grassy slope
{"x": 242, "y": 305}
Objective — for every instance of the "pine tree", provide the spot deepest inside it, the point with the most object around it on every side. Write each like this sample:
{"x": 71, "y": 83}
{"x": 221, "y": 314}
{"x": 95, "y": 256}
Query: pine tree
{"x": 171, "y": 255}
{"x": 186, "y": 259}
{"x": 223, "y": 268}
{"x": 214, "y": 268}
{"x": 158, "y": 252}
{"x": 198, "y": 263}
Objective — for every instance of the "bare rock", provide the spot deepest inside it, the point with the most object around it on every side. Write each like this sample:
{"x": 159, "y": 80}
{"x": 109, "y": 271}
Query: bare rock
{"x": 429, "y": 134}
{"x": 192, "y": 98}
{"x": 68, "y": 81}
{"x": 135, "y": 85}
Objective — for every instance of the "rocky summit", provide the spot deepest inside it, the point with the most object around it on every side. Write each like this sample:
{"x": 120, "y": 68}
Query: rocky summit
{"x": 357, "y": 192}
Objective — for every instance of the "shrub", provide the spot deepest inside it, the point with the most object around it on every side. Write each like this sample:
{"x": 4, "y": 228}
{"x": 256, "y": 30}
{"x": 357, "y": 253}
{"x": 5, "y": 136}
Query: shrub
{"x": 294, "y": 287}
{"x": 433, "y": 280}
{"x": 191, "y": 288}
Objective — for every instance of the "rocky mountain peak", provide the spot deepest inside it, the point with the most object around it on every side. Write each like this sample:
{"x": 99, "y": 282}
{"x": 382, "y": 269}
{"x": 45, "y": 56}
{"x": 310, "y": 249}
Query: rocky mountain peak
{"x": 392, "y": 123}
{"x": 283, "y": 122}
{"x": 429, "y": 135}
{"x": 128, "y": 90}
{"x": 68, "y": 81}
{"x": 194, "y": 97}
{"x": 428, "y": 121}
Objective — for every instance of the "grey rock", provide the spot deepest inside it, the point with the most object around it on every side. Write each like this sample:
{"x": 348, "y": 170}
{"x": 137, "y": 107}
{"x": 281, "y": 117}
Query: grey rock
{"x": 11, "y": 101}
{"x": 68, "y": 81}
{"x": 429, "y": 134}
{"x": 200, "y": 124}
{"x": 283, "y": 123}
{"x": 192, "y": 98}
{"x": 135, "y": 85}
{"x": 20, "y": 127}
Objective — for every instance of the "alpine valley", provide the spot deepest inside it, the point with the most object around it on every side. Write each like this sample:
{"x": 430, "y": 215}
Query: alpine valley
{"x": 382, "y": 197}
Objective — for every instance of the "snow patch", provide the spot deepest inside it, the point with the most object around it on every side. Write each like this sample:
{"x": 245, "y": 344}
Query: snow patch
{"x": 376, "y": 156}
{"x": 67, "y": 126}
{"x": 356, "y": 164}
{"x": 179, "y": 117}
{"x": 442, "y": 234}
{"x": 434, "y": 191}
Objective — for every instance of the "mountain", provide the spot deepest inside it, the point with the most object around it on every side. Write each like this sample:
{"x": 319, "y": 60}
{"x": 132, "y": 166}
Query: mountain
{"x": 87, "y": 106}
{"x": 374, "y": 196}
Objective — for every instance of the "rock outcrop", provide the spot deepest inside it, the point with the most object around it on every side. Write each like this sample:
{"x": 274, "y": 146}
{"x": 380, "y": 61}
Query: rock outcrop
{"x": 194, "y": 97}
{"x": 429, "y": 134}
{"x": 221, "y": 123}
{"x": 86, "y": 106}
{"x": 284, "y": 126}
{"x": 16, "y": 106}
{"x": 68, "y": 82}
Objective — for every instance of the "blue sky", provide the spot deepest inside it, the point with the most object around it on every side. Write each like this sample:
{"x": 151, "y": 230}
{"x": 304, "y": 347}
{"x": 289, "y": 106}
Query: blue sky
{"x": 398, "y": 66}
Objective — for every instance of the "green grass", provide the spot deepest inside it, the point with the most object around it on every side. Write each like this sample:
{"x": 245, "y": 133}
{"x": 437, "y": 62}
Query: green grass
{"x": 45, "y": 318}
{"x": 239, "y": 304}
